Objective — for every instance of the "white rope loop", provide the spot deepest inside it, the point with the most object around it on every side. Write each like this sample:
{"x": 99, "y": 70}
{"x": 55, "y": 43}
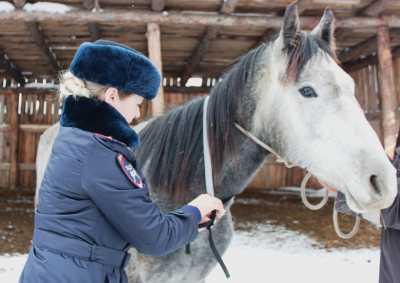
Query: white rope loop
{"x": 317, "y": 206}
{"x": 307, "y": 204}
{"x": 339, "y": 232}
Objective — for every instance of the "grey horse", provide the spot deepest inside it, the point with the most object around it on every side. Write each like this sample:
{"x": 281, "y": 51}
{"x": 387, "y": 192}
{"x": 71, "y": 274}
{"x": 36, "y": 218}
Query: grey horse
{"x": 292, "y": 95}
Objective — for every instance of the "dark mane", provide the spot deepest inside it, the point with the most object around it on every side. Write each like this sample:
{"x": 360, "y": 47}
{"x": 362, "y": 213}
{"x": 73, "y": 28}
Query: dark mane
{"x": 173, "y": 142}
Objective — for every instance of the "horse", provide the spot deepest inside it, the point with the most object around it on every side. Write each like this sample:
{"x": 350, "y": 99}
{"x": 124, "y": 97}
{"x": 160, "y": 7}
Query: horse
{"x": 289, "y": 92}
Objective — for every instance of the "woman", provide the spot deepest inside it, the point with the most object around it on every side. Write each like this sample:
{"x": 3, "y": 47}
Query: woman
{"x": 389, "y": 271}
{"x": 94, "y": 203}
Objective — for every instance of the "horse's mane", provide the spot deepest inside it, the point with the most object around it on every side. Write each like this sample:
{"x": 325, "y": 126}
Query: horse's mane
{"x": 173, "y": 141}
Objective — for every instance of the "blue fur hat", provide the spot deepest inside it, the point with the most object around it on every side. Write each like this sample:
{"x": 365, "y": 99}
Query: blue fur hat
{"x": 113, "y": 64}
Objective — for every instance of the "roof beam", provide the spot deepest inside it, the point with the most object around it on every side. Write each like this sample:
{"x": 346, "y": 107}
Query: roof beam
{"x": 19, "y": 3}
{"x": 228, "y": 6}
{"x": 88, "y": 4}
{"x": 185, "y": 18}
{"x": 92, "y": 26}
{"x": 387, "y": 91}
{"x": 369, "y": 60}
{"x": 11, "y": 68}
{"x": 94, "y": 31}
{"x": 38, "y": 38}
{"x": 375, "y": 8}
{"x": 91, "y": 5}
{"x": 158, "y": 5}
{"x": 198, "y": 54}
{"x": 362, "y": 49}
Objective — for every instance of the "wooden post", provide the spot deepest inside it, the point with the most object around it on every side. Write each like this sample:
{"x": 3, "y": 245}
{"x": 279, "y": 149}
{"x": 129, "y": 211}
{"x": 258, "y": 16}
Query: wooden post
{"x": 154, "y": 48}
{"x": 12, "y": 110}
{"x": 387, "y": 90}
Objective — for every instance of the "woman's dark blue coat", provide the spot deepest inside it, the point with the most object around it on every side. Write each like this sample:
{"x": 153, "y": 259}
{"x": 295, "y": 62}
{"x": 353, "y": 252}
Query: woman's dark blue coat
{"x": 94, "y": 203}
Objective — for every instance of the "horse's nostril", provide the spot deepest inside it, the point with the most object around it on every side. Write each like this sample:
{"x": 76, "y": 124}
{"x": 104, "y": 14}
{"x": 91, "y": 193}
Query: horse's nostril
{"x": 374, "y": 183}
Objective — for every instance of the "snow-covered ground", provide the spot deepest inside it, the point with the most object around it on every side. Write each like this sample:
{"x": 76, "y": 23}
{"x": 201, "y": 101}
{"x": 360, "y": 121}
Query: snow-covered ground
{"x": 270, "y": 254}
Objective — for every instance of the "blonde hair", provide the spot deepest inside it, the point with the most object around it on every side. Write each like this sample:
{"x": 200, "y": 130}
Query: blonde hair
{"x": 72, "y": 85}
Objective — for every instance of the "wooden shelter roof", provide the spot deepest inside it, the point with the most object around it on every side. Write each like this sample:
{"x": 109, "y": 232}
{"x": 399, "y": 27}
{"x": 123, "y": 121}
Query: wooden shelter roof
{"x": 198, "y": 38}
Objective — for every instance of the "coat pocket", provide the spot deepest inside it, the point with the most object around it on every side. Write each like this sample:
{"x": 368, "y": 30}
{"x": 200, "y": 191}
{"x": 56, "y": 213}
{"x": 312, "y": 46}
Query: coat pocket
{"x": 38, "y": 254}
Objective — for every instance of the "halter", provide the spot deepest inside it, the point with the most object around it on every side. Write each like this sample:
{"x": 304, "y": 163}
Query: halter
{"x": 279, "y": 159}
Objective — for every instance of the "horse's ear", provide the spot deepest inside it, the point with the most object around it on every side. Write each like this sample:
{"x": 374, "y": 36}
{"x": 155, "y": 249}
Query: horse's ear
{"x": 291, "y": 25}
{"x": 325, "y": 30}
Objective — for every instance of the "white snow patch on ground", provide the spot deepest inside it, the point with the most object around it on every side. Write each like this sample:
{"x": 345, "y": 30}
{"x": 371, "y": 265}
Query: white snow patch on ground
{"x": 6, "y": 6}
{"x": 47, "y": 7}
{"x": 273, "y": 254}
{"x": 11, "y": 267}
{"x": 270, "y": 253}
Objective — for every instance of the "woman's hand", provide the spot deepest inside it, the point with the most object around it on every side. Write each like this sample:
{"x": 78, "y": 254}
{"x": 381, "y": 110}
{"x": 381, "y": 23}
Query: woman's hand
{"x": 206, "y": 204}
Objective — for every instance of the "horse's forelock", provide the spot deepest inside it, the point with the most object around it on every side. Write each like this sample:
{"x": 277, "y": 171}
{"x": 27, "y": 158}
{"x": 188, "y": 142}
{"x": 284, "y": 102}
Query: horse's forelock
{"x": 301, "y": 50}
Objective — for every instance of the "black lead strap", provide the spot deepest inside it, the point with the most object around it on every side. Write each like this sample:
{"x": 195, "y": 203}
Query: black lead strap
{"x": 208, "y": 225}
{"x": 212, "y": 244}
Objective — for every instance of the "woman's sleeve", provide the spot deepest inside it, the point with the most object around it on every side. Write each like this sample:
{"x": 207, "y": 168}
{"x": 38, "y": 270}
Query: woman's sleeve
{"x": 390, "y": 216}
{"x": 131, "y": 211}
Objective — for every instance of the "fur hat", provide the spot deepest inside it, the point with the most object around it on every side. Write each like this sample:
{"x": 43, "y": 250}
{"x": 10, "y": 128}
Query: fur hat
{"x": 113, "y": 64}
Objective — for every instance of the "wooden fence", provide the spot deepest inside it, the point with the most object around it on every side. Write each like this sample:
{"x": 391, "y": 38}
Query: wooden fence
{"x": 26, "y": 114}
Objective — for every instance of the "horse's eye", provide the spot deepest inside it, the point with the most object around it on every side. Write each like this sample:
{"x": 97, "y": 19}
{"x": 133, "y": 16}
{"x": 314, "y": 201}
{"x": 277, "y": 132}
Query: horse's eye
{"x": 308, "y": 92}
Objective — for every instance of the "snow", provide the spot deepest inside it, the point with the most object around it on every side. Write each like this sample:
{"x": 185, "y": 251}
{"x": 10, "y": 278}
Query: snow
{"x": 42, "y": 85}
{"x": 310, "y": 193}
{"x": 273, "y": 254}
{"x": 6, "y": 6}
{"x": 47, "y": 7}
{"x": 11, "y": 267}
{"x": 270, "y": 253}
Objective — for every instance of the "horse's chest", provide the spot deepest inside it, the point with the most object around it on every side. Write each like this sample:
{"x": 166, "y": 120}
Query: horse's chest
{"x": 180, "y": 267}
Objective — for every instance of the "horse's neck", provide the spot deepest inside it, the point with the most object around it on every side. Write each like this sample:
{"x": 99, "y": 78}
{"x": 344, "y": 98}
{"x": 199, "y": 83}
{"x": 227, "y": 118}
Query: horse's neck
{"x": 239, "y": 171}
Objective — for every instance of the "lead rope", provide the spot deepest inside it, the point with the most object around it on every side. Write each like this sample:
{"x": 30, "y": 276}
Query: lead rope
{"x": 210, "y": 189}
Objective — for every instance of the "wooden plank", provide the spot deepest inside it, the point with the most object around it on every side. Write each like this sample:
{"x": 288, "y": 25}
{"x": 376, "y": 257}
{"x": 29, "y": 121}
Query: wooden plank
{"x": 362, "y": 49}
{"x": 198, "y": 54}
{"x": 35, "y": 128}
{"x": 228, "y": 6}
{"x": 154, "y": 49}
{"x": 11, "y": 68}
{"x": 187, "y": 18}
{"x": 389, "y": 102}
{"x": 375, "y": 8}
{"x": 94, "y": 31}
{"x": 38, "y": 37}
{"x": 158, "y": 5}
{"x": 12, "y": 107}
{"x": 21, "y": 166}
{"x": 45, "y": 90}
{"x": 92, "y": 26}
{"x": 19, "y": 3}
{"x": 88, "y": 4}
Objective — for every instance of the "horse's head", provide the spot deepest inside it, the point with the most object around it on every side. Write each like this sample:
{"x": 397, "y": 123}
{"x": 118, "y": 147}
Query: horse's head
{"x": 307, "y": 111}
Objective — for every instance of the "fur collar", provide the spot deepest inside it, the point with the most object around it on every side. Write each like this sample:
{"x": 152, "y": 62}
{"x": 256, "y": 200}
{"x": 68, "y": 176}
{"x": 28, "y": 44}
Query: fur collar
{"x": 97, "y": 116}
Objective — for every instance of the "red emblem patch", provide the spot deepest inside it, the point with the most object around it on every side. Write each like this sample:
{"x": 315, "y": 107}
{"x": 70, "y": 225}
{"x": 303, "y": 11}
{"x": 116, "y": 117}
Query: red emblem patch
{"x": 130, "y": 171}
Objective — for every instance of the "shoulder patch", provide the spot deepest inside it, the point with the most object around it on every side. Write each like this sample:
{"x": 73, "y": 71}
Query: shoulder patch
{"x": 130, "y": 171}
